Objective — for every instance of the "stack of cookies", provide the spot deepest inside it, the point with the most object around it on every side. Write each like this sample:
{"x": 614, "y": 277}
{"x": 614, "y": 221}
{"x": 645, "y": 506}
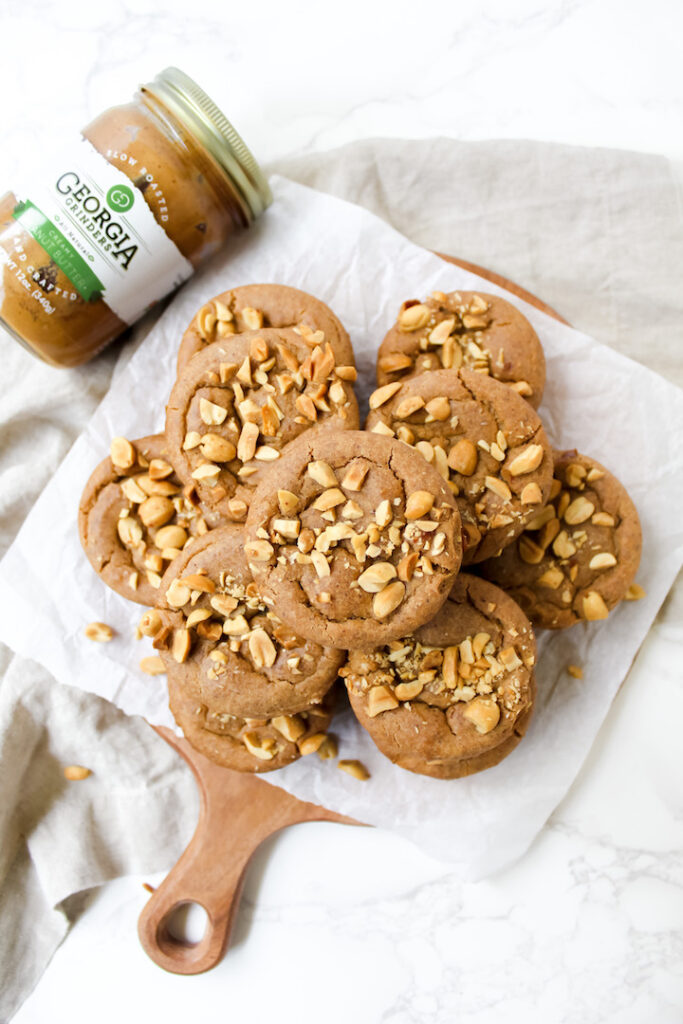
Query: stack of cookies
{"x": 279, "y": 548}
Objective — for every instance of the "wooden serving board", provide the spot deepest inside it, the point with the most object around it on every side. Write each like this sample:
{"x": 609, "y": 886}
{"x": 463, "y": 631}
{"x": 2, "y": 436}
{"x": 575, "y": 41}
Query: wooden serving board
{"x": 237, "y": 812}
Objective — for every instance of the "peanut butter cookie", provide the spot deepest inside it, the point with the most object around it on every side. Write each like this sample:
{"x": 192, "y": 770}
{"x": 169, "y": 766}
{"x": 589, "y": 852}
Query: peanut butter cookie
{"x": 577, "y": 556}
{"x": 456, "y": 695}
{"x": 134, "y": 517}
{"x": 485, "y": 441}
{"x": 353, "y": 539}
{"x": 254, "y": 306}
{"x": 249, "y": 744}
{"x": 214, "y": 633}
{"x": 237, "y": 404}
{"x": 464, "y": 329}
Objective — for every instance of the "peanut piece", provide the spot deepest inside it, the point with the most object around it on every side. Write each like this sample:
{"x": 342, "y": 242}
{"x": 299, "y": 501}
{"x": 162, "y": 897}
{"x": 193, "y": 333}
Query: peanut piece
{"x": 198, "y": 581}
{"x": 406, "y": 567}
{"x": 355, "y": 769}
{"x": 287, "y": 502}
{"x": 170, "y": 537}
{"x": 180, "y": 645}
{"x": 414, "y": 317}
{"x": 152, "y": 666}
{"x": 380, "y": 698}
{"x": 594, "y": 607}
{"x": 291, "y": 726}
{"x": 527, "y": 461}
{"x": 217, "y": 448}
{"x": 579, "y": 511}
{"x": 408, "y": 691}
{"x": 310, "y": 744}
{"x": 552, "y": 578}
{"x": 329, "y": 499}
{"x": 483, "y": 713}
{"x": 383, "y": 394}
{"x": 388, "y": 600}
{"x": 602, "y": 519}
{"x": 603, "y": 560}
{"x": 100, "y": 632}
{"x": 210, "y": 413}
{"x": 374, "y": 579}
{"x": 150, "y": 623}
{"x": 439, "y": 408}
{"x": 262, "y": 649}
{"x": 394, "y": 363}
{"x": 462, "y": 457}
{"x": 177, "y": 595}
{"x": 76, "y": 772}
{"x": 419, "y": 503}
{"x": 531, "y": 494}
{"x": 407, "y": 406}
{"x": 258, "y": 550}
{"x": 323, "y": 474}
{"x": 156, "y": 511}
{"x": 328, "y": 749}
{"x": 355, "y": 476}
{"x": 499, "y": 487}
{"x": 122, "y": 453}
{"x": 263, "y": 749}
{"x": 253, "y": 318}
{"x": 246, "y": 446}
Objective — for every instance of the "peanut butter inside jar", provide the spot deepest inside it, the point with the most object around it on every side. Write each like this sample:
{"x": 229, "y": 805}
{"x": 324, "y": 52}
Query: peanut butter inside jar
{"x": 121, "y": 218}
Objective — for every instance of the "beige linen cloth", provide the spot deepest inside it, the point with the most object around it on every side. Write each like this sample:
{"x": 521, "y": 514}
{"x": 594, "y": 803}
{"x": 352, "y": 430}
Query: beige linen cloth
{"x": 598, "y": 234}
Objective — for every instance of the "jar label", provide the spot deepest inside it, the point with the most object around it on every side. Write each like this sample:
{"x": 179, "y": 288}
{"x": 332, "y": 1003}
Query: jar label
{"x": 98, "y": 229}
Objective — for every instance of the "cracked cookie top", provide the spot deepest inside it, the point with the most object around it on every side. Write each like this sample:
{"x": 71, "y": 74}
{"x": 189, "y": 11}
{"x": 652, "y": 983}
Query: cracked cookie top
{"x": 237, "y": 404}
{"x": 135, "y": 517}
{"x": 352, "y": 538}
{"x": 254, "y": 306}
{"x": 455, "y": 696}
{"x": 464, "y": 329}
{"x": 577, "y": 556}
{"x": 485, "y": 442}
{"x": 214, "y": 633}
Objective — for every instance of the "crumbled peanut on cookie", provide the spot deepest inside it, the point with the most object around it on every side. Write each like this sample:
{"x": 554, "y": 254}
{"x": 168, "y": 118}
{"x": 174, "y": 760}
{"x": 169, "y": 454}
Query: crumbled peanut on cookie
{"x": 287, "y": 381}
{"x": 407, "y": 669}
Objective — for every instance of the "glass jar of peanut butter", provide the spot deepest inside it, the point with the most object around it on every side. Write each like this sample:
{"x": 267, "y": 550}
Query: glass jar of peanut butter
{"x": 121, "y": 218}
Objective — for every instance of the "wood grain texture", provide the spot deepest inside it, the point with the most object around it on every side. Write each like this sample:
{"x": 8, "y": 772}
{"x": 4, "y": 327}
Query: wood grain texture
{"x": 237, "y": 812}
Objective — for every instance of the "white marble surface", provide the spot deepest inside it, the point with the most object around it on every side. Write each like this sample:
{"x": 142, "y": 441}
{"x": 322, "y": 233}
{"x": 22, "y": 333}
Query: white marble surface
{"x": 347, "y": 924}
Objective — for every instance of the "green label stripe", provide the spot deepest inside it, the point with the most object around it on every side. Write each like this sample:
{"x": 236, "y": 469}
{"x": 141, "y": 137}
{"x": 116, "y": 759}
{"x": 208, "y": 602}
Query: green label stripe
{"x": 69, "y": 261}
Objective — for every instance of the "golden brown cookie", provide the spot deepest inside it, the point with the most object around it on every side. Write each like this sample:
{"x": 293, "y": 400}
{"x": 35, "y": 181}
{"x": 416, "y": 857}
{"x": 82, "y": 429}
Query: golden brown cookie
{"x": 484, "y": 440}
{"x": 254, "y": 306}
{"x": 456, "y": 696}
{"x": 214, "y": 633}
{"x": 578, "y": 556}
{"x": 352, "y": 538}
{"x": 247, "y": 744}
{"x": 464, "y": 329}
{"x": 237, "y": 404}
{"x": 134, "y": 517}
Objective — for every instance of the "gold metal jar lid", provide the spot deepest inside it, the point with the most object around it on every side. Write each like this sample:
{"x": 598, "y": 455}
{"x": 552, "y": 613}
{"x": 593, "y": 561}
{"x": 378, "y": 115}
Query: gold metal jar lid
{"x": 200, "y": 115}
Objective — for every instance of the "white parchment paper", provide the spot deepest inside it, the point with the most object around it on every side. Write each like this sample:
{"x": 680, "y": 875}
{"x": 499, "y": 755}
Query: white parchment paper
{"x": 595, "y": 400}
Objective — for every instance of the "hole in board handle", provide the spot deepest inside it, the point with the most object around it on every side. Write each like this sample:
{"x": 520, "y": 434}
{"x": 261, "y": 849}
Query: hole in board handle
{"x": 186, "y": 924}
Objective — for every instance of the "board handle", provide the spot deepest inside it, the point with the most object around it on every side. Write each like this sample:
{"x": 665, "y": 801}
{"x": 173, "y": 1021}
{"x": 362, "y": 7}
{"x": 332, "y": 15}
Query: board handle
{"x": 188, "y": 882}
{"x": 211, "y": 870}
{"x": 236, "y": 813}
